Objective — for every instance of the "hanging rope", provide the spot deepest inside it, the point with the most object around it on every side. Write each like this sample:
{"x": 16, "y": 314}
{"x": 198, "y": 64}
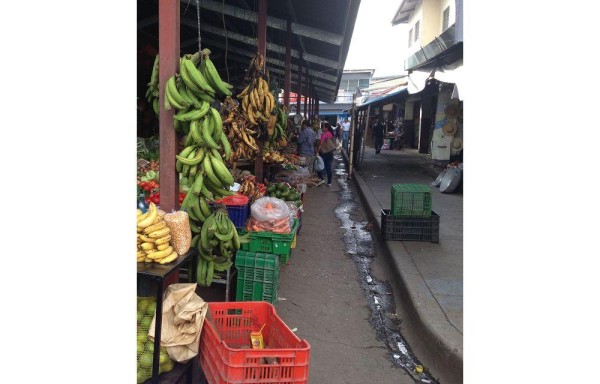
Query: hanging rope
{"x": 199, "y": 37}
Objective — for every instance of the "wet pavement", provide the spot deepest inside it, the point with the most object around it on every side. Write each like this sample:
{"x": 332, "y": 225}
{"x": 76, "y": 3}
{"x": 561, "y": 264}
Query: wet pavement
{"x": 359, "y": 244}
{"x": 330, "y": 293}
{"x": 428, "y": 276}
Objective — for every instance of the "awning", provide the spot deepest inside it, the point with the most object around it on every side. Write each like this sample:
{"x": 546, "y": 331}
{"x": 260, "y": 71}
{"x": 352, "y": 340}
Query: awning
{"x": 452, "y": 73}
{"x": 383, "y": 99}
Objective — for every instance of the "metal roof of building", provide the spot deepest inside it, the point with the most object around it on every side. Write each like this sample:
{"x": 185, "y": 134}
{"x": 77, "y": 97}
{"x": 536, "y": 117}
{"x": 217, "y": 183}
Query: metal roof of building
{"x": 321, "y": 31}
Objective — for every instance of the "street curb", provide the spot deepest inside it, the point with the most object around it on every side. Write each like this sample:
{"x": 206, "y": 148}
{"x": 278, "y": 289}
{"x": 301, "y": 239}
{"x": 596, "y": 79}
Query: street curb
{"x": 443, "y": 342}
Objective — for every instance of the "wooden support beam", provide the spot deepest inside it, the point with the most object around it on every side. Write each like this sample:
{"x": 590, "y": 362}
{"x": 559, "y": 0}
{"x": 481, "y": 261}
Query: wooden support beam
{"x": 168, "y": 43}
{"x": 288, "y": 66}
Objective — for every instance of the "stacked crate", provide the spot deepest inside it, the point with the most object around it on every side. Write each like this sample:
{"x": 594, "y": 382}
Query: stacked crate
{"x": 410, "y": 217}
{"x": 257, "y": 277}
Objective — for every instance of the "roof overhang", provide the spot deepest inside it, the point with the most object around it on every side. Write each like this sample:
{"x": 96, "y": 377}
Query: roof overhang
{"x": 319, "y": 43}
{"x": 407, "y": 7}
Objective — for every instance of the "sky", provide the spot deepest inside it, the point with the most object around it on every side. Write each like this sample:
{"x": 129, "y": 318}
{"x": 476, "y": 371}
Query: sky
{"x": 376, "y": 44}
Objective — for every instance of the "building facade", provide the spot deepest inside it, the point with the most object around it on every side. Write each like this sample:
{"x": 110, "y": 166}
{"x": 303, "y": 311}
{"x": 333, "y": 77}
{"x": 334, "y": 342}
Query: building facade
{"x": 433, "y": 110}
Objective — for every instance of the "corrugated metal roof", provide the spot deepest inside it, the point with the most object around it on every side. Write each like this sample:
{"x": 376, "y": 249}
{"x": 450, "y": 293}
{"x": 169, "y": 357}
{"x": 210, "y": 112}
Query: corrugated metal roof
{"x": 228, "y": 29}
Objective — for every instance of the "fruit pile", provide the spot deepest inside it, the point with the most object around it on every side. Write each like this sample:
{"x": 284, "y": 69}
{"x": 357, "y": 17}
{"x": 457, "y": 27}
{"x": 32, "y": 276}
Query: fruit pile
{"x": 153, "y": 237}
{"x": 284, "y": 192}
{"x": 239, "y": 133}
{"x": 257, "y": 100}
{"x": 249, "y": 187}
{"x": 146, "y": 306}
{"x": 273, "y": 156}
{"x": 218, "y": 243}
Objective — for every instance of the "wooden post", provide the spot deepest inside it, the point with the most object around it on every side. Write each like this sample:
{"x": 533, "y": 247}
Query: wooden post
{"x": 168, "y": 43}
{"x": 299, "y": 94}
{"x": 262, "y": 49}
{"x": 288, "y": 66}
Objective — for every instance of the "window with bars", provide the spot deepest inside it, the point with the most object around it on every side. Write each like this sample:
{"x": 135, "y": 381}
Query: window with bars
{"x": 445, "y": 18}
{"x": 417, "y": 24}
{"x": 410, "y": 34}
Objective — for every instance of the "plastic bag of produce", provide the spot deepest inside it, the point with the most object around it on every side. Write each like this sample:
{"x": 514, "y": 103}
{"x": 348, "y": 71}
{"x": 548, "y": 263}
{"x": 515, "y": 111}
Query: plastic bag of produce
{"x": 269, "y": 209}
{"x": 319, "y": 164}
{"x": 181, "y": 233}
{"x": 182, "y": 319}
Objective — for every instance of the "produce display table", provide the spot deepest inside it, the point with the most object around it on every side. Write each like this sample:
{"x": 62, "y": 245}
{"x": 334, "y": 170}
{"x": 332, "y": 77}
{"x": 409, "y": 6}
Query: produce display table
{"x": 159, "y": 273}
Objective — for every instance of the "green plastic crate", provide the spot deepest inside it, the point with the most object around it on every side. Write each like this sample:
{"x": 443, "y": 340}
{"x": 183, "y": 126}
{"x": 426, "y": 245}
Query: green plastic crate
{"x": 411, "y": 200}
{"x": 273, "y": 243}
{"x": 258, "y": 276}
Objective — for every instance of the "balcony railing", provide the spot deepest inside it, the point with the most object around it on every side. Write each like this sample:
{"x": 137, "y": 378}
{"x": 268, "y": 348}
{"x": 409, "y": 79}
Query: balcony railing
{"x": 441, "y": 43}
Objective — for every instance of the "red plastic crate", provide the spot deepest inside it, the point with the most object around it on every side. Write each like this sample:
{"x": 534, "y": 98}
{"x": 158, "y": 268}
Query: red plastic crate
{"x": 226, "y": 356}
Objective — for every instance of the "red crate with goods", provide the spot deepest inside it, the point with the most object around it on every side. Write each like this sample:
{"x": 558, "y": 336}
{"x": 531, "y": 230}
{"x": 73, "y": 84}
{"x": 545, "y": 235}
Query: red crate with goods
{"x": 226, "y": 354}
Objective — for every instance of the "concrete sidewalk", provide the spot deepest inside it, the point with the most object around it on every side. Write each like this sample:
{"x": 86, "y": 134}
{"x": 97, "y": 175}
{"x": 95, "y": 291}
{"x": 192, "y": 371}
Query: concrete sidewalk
{"x": 429, "y": 275}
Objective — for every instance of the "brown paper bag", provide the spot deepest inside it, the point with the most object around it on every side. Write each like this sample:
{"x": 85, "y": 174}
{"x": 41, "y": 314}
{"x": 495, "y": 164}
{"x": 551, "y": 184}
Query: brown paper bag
{"x": 182, "y": 319}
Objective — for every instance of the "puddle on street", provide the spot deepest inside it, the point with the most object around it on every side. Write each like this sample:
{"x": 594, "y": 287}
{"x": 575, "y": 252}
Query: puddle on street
{"x": 360, "y": 247}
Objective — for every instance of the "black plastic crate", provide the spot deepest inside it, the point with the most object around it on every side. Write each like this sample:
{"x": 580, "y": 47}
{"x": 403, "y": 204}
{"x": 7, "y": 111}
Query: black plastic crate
{"x": 407, "y": 228}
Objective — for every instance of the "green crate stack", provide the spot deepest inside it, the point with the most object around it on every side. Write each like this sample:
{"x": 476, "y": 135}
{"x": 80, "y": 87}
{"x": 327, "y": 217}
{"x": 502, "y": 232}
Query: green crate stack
{"x": 411, "y": 200}
{"x": 272, "y": 243}
{"x": 258, "y": 276}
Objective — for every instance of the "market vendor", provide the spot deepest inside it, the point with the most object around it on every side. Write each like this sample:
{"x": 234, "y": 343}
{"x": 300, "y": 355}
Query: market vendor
{"x": 306, "y": 144}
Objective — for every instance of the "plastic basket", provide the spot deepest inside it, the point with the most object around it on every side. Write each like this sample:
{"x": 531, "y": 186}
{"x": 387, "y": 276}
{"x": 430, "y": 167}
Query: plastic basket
{"x": 225, "y": 355}
{"x": 258, "y": 276}
{"x": 414, "y": 228}
{"x": 273, "y": 243}
{"x": 411, "y": 200}
{"x": 238, "y": 214}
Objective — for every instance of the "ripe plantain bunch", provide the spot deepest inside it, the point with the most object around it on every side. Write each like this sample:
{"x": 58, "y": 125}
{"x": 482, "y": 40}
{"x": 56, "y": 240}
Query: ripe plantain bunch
{"x": 239, "y": 132}
{"x": 219, "y": 241}
{"x": 153, "y": 238}
{"x": 250, "y": 189}
{"x": 257, "y": 101}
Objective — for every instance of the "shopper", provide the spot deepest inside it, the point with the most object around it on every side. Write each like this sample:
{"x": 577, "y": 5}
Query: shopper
{"x": 378, "y": 130}
{"x": 345, "y": 134}
{"x": 306, "y": 144}
{"x": 327, "y": 157}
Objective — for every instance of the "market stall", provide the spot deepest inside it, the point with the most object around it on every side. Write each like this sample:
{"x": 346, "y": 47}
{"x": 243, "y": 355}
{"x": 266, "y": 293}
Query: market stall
{"x": 220, "y": 188}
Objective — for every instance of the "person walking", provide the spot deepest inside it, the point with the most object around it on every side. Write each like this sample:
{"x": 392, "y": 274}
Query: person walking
{"x": 327, "y": 156}
{"x": 306, "y": 144}
{"x": 378, "y": 130}
{"x": 345, "y": 134}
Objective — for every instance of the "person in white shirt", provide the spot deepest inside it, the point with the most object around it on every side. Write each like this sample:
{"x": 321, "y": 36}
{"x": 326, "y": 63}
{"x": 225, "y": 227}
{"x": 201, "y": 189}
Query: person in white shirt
{"x": 345, "y": 134}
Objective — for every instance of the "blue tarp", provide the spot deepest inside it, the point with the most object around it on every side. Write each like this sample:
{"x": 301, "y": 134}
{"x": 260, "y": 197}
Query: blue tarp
{"x": 377, "y": 99}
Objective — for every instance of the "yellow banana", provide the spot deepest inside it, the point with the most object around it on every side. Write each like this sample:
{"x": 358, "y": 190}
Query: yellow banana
{"x": 151, "y": 217}
{"x": 160, "y": 254}
{"x": 162, "y": 247}
{"x": 147, "y": 239}
{"x": 155, "y": 227}
{"x": 169, "y": 258}
{"x": 147, "y": 246}
{"x": 141, "y": 254}
{"x": 160, "y": 233}
{"x": 148, "y": 260}
{"x": 139, "y": 213}
{"x": 163, "y": 240}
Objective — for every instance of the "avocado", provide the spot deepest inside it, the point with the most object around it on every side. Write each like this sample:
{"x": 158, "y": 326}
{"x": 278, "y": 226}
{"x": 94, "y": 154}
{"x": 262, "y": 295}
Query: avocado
{"x": 281, "y": 186}
{"x": 271, "y": 187}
